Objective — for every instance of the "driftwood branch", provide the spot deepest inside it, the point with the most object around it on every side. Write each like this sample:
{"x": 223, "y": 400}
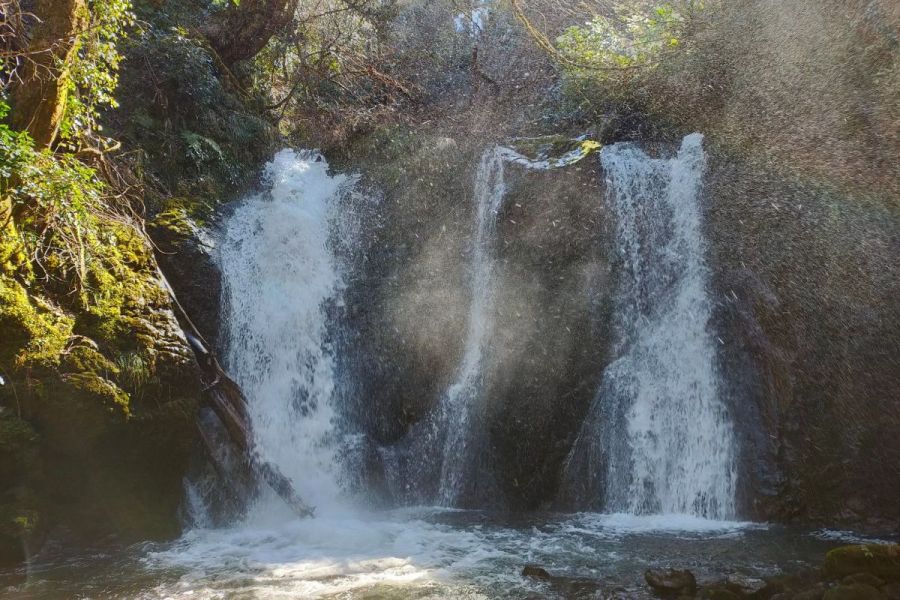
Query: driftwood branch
{"x": 228, "y": 402}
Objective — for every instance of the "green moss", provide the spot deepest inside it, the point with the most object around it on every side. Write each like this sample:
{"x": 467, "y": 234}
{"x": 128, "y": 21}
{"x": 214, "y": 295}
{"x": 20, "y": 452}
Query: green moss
{"x": 84, "y": 358}
{"x": 100, "y": 388}
{"x": 881, "y": 560}
{"x": 35, "y": 333}
{"x": 181, "y": 216}
{"x": 17, "y": 522}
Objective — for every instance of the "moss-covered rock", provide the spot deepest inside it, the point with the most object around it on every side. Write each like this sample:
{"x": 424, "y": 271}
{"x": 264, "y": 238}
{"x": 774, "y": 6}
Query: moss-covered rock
{"x": 880, "y": 560}
{"x": 856, "y": 591}
{"x": 99, "y": 389}
{"x": 35, "y": 332}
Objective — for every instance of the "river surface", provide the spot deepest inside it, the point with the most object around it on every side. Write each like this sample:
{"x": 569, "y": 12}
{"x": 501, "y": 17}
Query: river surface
{"x": 421, "y": 553}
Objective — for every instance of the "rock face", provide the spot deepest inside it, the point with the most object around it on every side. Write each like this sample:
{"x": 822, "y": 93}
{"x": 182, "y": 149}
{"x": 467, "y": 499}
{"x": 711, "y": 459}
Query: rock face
{"x": 803, "y": 227}
{"x": 99, "y": 426}
{"x": 409, "y": 301}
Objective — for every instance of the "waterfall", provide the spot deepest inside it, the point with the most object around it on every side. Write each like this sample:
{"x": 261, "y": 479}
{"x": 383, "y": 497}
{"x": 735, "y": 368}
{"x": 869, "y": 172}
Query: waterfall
{"x": 658, "y": 439}
{"x": 439, "y": 461}
{"x": 459, "y": 405}
{"x": 281, "y": 279}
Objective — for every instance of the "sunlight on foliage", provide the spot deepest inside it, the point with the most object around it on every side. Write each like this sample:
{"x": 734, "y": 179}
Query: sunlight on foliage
{"x": 93, "y": 74}
{"x": 633, "y": 36}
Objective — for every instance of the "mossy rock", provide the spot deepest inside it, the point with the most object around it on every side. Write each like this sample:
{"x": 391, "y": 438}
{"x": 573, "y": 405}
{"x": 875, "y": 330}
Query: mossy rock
{"x": 856, "y": 591}
{"x": 880, "y": 560}
{"x": 181, "y": 217}
{"x": 34, "y": 332}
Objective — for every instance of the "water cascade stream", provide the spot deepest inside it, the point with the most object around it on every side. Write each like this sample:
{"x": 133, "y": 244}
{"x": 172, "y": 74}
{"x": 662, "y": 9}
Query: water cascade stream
{"x": 658, "y": 439}
{"x": 280, "y": 276}
{"x": 438, "y": 462}
{"x": 460, "y": 403}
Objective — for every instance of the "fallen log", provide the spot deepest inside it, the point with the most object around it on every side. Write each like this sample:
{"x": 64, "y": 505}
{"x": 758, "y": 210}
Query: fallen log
{"x": 225, "y": 398}
{"x": 228, "y": 402}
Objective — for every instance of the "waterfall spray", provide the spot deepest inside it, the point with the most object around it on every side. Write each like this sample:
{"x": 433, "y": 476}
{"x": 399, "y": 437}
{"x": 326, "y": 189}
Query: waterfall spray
{"x": 460, "y": 404}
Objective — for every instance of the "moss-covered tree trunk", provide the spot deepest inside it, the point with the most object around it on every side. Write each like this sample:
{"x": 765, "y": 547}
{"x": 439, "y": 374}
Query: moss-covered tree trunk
{"x": 245, "y": 29}
{"x": 39, "y": 96}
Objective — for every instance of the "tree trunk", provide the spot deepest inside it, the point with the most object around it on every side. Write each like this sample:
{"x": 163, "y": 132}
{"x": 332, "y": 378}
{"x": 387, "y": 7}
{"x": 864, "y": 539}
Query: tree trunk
{"x": 244, "y": 30}
{"x": 39, "y": 96}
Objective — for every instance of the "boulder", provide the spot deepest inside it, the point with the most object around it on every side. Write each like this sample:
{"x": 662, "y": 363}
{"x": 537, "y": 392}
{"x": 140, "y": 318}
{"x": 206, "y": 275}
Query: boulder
{"x": 749, "y": 586}
{"x": 671, "y": 582}
{"x": 863, "y": 578}
{"x": 535, "y": 572}
{"x": 880, "y": 560}
{"x": 814, "y": 593}
{"x": 719, "y": 592}
{"x": 856, "y": 591}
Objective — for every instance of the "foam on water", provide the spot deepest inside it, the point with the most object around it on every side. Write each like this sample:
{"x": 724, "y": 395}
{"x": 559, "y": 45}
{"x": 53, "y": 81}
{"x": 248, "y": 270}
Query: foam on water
{"x": 423, "y": 552}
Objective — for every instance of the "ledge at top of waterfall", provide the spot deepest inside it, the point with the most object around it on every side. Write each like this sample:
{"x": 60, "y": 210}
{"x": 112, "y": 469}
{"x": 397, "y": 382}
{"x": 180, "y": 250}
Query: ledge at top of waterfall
{"x": 658, "y": 438}
{"x": 549, "y": 152}
{"x": 281, "y": 275}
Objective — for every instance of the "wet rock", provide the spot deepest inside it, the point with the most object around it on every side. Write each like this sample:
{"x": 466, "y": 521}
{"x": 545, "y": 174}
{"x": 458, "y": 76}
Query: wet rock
{"x": 814, "y": 593}
{"x": 571, "y": 587}
{"x": 535, "y": 572}
{"x": 855, "y": 591}
{"x": 749, "y": 586}
{"x": 671, "y": 582}
{"x": 719, "y": 592}
{"x": 864, "y": 579}
{"x": 880, "y": 560}
{"x": 892, "y": 591}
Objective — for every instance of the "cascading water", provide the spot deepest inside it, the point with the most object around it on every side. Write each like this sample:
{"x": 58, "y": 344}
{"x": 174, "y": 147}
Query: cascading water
{"x": 658, "y": 439}
{"x": 459, "y": 405}
{"x": 280, "y": 278}
{"x": 447, "y": 477}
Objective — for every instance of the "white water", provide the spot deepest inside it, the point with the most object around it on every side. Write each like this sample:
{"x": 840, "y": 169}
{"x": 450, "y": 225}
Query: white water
{"x": 280, "y": 276}
{"x": 666, "y": 443}
{"x": 420, "y": 553}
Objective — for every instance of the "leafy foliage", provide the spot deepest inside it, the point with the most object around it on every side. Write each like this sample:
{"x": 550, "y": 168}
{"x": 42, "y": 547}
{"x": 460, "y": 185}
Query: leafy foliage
{"x": 633, "y": 36}
{"x": 93, "y": 74}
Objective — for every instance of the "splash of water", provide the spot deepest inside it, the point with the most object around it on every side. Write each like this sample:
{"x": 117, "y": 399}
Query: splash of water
{"x": 658, "y": 439}
{"x": 280, "y": 278}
